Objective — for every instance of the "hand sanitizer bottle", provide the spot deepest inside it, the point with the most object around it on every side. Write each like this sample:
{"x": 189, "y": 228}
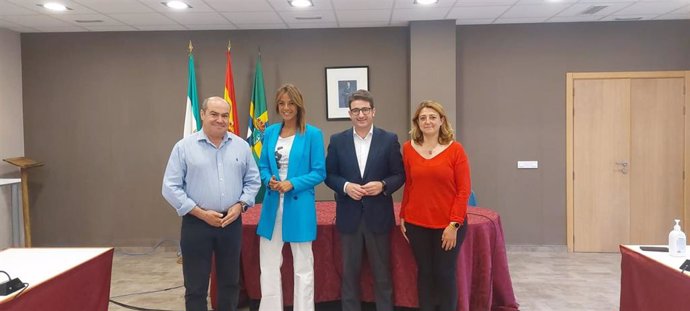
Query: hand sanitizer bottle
{"x": 676, "y": 241}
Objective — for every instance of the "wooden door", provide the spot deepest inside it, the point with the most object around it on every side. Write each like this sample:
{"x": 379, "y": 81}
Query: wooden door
{"x": 656, "y": 165}
{"x": 602, "y": 148}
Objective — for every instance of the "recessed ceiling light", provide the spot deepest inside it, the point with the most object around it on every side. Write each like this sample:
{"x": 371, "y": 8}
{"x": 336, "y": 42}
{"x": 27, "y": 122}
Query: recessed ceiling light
{"x": 54, "y": 6}
{"x": 177, "y": 5}
{"x": 301, "y": 3}
{"x": 425, "y": 2}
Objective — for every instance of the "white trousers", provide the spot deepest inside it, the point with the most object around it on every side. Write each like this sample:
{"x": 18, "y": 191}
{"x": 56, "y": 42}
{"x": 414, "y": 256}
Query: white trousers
{"x": 270, "y": 260}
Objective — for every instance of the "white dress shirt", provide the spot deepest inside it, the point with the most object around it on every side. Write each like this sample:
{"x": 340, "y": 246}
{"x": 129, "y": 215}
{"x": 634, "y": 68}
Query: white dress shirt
{"x": 362, "y": 146}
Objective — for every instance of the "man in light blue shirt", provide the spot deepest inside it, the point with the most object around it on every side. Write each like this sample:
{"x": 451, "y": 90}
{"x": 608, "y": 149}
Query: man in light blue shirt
{"x": 210, "y": 179}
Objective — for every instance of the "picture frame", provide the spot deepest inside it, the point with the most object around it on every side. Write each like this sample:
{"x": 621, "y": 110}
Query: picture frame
{"x": 340, "y": 83}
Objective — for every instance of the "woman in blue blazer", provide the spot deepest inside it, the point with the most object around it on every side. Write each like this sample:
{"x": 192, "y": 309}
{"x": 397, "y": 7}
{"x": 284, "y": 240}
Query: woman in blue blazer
{"x": 292, "y": 163}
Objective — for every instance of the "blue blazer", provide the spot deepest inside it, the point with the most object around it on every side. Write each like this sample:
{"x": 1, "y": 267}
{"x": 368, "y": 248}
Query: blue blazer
{"x": 384, "y": 162}
{"x": 306, "y": 169}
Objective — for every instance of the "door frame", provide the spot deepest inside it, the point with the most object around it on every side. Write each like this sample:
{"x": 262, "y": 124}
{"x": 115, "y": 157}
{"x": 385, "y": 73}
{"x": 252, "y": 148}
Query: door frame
{"x": 569, "y": 126}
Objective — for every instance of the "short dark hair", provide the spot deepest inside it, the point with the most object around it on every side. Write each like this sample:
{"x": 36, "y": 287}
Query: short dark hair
{"x": 360, "y": 95}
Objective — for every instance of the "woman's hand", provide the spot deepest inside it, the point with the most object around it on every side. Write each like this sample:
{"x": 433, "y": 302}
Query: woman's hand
{"x": 273, "y": 183}
{"x": 283, "y": 186}
{"x": 449, "y": 238}
{"x": 403, "y": 230}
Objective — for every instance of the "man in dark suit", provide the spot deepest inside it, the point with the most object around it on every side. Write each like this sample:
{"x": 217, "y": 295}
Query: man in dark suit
{"x": 364, "y": 167}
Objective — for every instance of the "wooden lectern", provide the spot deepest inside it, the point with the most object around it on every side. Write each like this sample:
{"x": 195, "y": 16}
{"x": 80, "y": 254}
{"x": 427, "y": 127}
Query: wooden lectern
{"x": 24, "y": 164}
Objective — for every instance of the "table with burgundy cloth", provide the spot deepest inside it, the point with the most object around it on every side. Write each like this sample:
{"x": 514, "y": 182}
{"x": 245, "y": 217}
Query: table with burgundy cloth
{"x": 652, "y": 281}
{"x": 60, "y": 279}
{"x": 483, "y": 278}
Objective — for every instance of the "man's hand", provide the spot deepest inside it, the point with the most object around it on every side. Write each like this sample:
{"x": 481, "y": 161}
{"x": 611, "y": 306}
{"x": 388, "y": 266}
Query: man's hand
{"x": 355, "y": 191}
{"x": 373, "y": 188}
{"x": 212, "y": 218}
{"x": 233, "y": 213}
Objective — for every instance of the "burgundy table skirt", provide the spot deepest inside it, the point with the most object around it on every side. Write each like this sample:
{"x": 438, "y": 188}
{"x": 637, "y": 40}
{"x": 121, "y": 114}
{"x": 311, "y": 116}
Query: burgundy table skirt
{"x": 647, "y": 284}
{"x": 483, "y": 277}
{"x": 84, "y": 287}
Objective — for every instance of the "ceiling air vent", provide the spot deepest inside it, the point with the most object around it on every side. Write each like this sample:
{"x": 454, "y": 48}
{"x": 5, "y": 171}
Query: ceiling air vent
{"x": 627, "y": 19}
{"x": 307, "y": 18}
{"x": 593, "y": 9}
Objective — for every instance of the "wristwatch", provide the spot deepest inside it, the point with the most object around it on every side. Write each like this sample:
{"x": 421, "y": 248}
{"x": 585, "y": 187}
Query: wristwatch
{"x": 244, "y": 205}
{"x": 383, "y": 189}
{"x": 454, "y": 224}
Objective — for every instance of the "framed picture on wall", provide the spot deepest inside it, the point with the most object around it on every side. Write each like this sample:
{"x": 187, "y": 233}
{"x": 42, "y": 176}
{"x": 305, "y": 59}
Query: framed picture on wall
{"x": 340, "y": 83}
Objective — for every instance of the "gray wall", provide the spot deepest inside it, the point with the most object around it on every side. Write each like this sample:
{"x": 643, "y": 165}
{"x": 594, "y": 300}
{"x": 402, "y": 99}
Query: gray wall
{"x": 103, "y": 110}
{"x": 11, "y": 122}
{"x": 511, "y": 106}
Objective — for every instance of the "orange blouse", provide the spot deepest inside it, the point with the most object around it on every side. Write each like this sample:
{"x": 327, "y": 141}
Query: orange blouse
{"x": 436, "y": 189}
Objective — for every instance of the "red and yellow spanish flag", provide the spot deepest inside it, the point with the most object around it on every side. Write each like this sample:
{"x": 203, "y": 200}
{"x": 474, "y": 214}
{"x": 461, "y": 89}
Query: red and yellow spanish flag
{"x": 233, "y": 125}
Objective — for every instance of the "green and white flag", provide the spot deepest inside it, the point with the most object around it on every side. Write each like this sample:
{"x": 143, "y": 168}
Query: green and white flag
{"x": 192, "y": 117}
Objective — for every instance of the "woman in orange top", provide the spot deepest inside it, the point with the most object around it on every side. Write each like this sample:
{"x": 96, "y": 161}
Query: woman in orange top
{"x": 433, "y": 217}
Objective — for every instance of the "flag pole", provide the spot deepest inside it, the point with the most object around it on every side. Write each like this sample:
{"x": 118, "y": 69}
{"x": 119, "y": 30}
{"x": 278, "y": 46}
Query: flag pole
{"x": 228, "y": 45}
{"x": 190, "y": 47}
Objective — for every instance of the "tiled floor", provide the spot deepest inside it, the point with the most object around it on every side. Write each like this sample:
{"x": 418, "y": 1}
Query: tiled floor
{"x": 543, "y": 279}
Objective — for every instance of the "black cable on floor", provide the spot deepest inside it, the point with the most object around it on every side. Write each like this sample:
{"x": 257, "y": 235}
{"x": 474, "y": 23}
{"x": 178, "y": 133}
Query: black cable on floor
{"x": 148, "y": 292}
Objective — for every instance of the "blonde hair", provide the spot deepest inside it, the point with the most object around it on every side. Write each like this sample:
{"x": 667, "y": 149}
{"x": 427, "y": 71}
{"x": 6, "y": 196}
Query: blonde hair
{"x": 446, "y": 133}
{"x": 297, "y": 99}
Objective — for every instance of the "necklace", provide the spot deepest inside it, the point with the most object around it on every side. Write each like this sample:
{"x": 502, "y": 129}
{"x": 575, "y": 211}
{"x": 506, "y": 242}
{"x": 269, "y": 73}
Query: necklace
{"x": 431, "y": 151}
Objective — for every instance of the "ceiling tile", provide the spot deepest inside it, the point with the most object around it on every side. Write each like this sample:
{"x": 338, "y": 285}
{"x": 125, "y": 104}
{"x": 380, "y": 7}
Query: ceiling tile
{"x": 312, "y": 25}
{"x": 520, "y": 20}
{"x": 262, "y": 26}
{"x": 363, "y": 16}
{"x": 239, "y": 5}
{"x": 60, "y": 28}
{"x": 268, "y": 17}
{"x": 409, "y": 4}
{"x": 75, "y": 8}
{"x": 198, "y": 6}
{"x": 283, "y": 5}
{"x": 161, "y": 27}
{"x": 212, "y": 27}
{"x": 363, "y": 24}
{"x": 7, "y": 8}
{"x": 570, "y": 19}
{"x": 419, "y": 15}
{"x": 535, "y": 10}
{"x": 291, "y": 17}
{"x": 627, "y": 18}
{"x": 72, "y": 19}
{"x": 119, "y": 6}
{"x": 651, "y": 8}
{"x": 477, "y": 21}
{"x": 362, "y": 4}
{"x": 577, "y": 9}
{"x": 673, "y": 16}
{"x": 35, "y": 21}
{"x": 111, "y": 28}
{"x": 477, "y": 12}
{"x": 484, "y": 2}
{"x": 144, "y": 19}
{"x": 189, "y": 18}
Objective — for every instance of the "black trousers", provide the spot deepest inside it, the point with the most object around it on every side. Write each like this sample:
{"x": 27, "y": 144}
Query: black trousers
{"x": 436, "y": 268}
{"x": 378, "y": 251}
{"x": 199, "y": 242}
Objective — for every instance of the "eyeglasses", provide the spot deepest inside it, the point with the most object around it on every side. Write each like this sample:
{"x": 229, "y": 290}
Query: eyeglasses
{"x": 356, "y": 111}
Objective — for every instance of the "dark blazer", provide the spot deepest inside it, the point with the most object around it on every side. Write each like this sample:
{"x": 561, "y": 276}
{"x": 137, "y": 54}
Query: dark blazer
{"x": 384, "y": 162}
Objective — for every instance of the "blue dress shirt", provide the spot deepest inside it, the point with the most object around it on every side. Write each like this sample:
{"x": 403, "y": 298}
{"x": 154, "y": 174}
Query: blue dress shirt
{"x": 199, "y": 174}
